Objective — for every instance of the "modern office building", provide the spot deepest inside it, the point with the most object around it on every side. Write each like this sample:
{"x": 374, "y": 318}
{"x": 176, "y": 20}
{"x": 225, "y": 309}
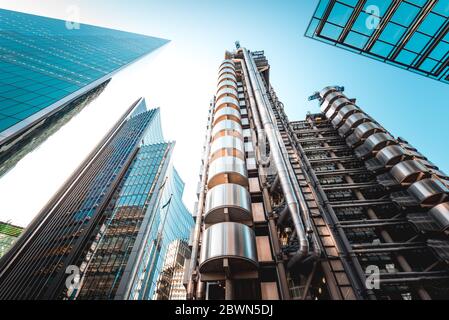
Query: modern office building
{"x": 8, "y": 236}
{"x": 92, "y": 238}
{"x": 50, "y": 70}
{"x": 413, "y": 35}
{"x": 332, "y": 207}
{"x": 170, "y": 282}
{"x": 173, "y": 223}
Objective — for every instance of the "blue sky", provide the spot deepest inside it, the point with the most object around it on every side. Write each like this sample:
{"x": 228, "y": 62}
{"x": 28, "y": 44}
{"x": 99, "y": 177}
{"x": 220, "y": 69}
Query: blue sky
{"x": 411, "y": 106}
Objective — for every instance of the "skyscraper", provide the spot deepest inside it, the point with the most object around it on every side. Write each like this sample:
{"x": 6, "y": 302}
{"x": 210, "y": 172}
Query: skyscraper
{"x": 332, "y": 207}
{"x": 50, "y": 70}
{"x": 8, "y": 236}
{"x": 90, "y": 241}
{"x": 409, "y": 34}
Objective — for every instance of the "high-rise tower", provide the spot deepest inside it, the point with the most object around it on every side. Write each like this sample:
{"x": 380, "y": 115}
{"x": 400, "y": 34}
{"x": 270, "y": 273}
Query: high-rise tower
{"x": 103, "y": 227}
{"x": 50, "y": 70}
{"x": 333, "y": 207}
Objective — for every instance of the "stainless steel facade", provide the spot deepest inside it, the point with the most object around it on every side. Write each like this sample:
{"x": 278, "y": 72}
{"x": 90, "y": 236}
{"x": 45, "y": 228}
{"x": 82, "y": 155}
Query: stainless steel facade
{"x": 322, "y": 205}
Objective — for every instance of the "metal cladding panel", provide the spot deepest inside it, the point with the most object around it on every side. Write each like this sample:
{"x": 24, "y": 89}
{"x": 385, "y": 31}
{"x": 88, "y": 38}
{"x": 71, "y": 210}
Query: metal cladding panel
{"x": 226, "y": 77}
{"x": 226, "y": 65}
{"x": 227, "y": 111}
{"x": 409, "y": 171}
{"x": 343, "y": 114}
{"x": 226, "y": 70}
{"x": 229, "y": 197}
{"x": 391, "y": 155}
{"x": 226, "y": 101}
{"x": 227, "y": 83}
{"x": 234, "y": 169}
{"x": 227, "y": 142}
{"x": 375, "y": 143}
{"x": 227, "y": 92}
{"x": 441, "y": 214}
{"x": 327, "y": 91}
{"x": 429, "y": 192}
{"x": 336, "y": 106}
{"x": 233, "y": 241}
{"x": 227, "y": 61}
{"x": 329, "y": 99}
{"x": 352, "y": 122}
{"x": 228, "y": 125}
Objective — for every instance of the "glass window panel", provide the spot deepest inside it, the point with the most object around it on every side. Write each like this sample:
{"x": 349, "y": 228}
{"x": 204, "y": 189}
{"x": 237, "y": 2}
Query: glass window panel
{"x": 340, "y": 14}
{"x": 356, "y": 40}
{"x": 405, "y": 14}
{"x": 382, "y": 49}
{"x": 392, "y": 33}
{"x": 417, "y": 42}
{"x": 406, "y": 57}
{"x": 331, "y": 31}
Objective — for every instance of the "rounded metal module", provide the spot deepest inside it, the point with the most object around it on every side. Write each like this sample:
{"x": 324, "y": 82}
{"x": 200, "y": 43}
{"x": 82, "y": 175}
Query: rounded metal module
{"x": 429, "y": 192}
{"x": 227, "y": 77}
{"x": 226, "y": 113}
{"x": 227, "y": 101}
{"x": 226, "y": 71}
{"x": 227, "y": 127}
{"x": 343, "y": 114}
{"x": 362, "y": 132}
{"x": 441, "y": 215}
{"x": 410, "y": 171}
{"x": 329, "y": 99}
{"x": 226, "y": 64}
{"x": 227, "y": 92}
{"x": 227, "y": 202}
{"x": 391, "y": 155}
{"x": 228, "y": 240}
{"x": 352, "y": 122}
{"x": 226, "y": 83}
{"x": 336, "y": 106}
{"x": 373, "y": 144}
{"x": 227, "y": 142}
{"x": 227, "y": 170}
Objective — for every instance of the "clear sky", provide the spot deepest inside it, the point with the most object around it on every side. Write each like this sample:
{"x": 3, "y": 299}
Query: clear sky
{"x": 183, "y": 75}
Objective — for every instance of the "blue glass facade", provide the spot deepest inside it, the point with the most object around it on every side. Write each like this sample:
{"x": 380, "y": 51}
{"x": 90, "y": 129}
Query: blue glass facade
{"x": 62, "y": 233}
{"x": 126, "y": 215}
{"x": 171, "y": 221}
{"x": 411, "y": 34}
{"x": 114, "y": 218}
{"x": 50, "y": 70}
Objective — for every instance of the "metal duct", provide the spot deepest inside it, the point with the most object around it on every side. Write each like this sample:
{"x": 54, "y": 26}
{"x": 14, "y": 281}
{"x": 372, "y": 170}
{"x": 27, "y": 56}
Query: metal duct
{"x": 278, "y": 159}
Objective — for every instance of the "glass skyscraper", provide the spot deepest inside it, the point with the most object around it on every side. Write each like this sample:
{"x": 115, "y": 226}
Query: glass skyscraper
{"x": 50, "y": 70}
{"x": 413, "y": 35}
{"x": 99, "y": 224}
{"x": 172, "y": 222}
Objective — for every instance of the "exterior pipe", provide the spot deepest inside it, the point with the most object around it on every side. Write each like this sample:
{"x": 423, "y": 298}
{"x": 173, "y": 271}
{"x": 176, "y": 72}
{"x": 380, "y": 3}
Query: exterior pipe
{"x": 285, "y": 181}
{"x": 199, "y": 214}
{"x": 302, "y": 201}
{"x": 283, "y": 216}
{"x": 274, "y": 185}
{"x": 255, "y": 113}
{"x": 304, "y": 210}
